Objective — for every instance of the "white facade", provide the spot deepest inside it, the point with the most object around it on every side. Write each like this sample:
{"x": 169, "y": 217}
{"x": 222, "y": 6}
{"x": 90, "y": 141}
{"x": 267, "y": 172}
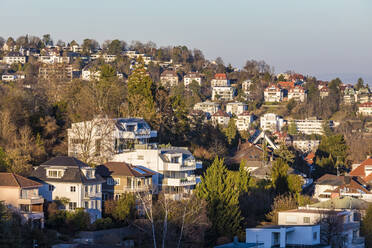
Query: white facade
{"x": 273, "y": 94}
{"x": 311, "y": 126}
{"x": 175, "y": 167}
{"x": 169, "y": 78}
{"x": 207, "y": 107}
{"x": 188, "y": 79}
{"x": 220, "y": 118}
{"x": 271, "y": 122}
{"x": 297, "y": 93}
{"x": 365, "y": 109}
{"x": 53, "y": 59}
{"x": 90, "y": 75}
{"x": 14, "y": 59}
{"x": 281, "y": 236}
{"x": 246, "y": 85}
{"x": 244, "y": 121}
{"x": 223, "y": 93}
{"x": 102, "y": 137}
{"x": 306, "y": 145}
{"x": 236, "y": 108}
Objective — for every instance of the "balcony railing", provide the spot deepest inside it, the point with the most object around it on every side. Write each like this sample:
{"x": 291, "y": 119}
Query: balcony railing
{"x": 188, "y": 181}
{"x": 179, "y": 167}
{"x": 35, "y": 199}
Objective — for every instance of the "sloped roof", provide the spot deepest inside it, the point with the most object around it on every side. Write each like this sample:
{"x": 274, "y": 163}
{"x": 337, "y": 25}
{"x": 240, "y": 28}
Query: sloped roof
{"x": 343, "y": 202}
{"x": 360, "y": 170}
{"x": 366, "y": 104}
{"x": 72, "y": 171}
{"x": 14, "y": 180}
{"x": 287, "y": 85}
{"x": 220, "y": 113}
{"x": 121, "y": 169}
{"x": 220, "y": 76}
{"x": 329, "y": 179}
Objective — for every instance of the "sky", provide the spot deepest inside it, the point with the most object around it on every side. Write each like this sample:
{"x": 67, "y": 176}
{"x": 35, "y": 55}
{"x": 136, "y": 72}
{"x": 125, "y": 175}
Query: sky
{"x": 324, "y": 38}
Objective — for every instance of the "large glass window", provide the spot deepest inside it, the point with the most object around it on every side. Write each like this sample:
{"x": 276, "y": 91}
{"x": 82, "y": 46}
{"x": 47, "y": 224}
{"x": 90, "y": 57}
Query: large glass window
{"x": 55, "y": 173}
{"x": 72, "y": 205}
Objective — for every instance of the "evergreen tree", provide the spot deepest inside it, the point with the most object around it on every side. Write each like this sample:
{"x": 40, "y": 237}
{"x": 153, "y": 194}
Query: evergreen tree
{"x": 292, "y": 128}
{"x": 231, "y": 131}
{"x": 284, "y": 153}
{"x": 223, "y": 205}
{"x": 279, "y": 178}
{"x": 140, "y": 94}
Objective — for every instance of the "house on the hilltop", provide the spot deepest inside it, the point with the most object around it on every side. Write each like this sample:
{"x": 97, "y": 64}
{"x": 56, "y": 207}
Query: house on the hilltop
{"x": 273, "y": 93}
{"x": 169, "y": 78}
{"x": 220, "y": 118}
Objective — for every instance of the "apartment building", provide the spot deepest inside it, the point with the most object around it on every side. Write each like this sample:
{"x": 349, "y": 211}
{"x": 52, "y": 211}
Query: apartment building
{"x": 236, "y": 108}
{"x": 174, "y": 166}
{"x": 271, "y": 122}
{"x": 365, "y": 109}
{"x": 207, "y": 107}
{"x": 311, "y": 126}
{"x": 100, "y": 138}
{"x": 53, "y": 59}
{"x": 14, "y": 58}
{"x": 273, "y": 93}
{"x": 223, "y": 93}
{"x": 89, "y": 74}
{"x": 70, "y": 178}
{"x": 220, "y": 118}
{"x": 244, "y": 121}
{"x": 297, "y": 93}
{"x": 169, "y": 78}
{"x": 22, "y": 196}
{"x": 60, "y": 72}
{"x": 324, "y": 92}
{"x": 220, "y": 80}
{"x": 190, "y": 77}
{"x": 246, "y": 87}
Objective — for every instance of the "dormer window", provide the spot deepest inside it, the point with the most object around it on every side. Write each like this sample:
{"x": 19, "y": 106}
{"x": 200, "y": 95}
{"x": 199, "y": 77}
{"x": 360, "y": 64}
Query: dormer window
{"x": 175, "y": 160}
{"x": 55, "y": 173}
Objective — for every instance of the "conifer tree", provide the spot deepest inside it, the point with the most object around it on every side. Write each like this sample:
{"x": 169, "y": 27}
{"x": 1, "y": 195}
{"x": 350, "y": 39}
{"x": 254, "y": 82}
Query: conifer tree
{"x": 223, "y": 205}
{"x": 140, "y": 93}
{"x": 231, "y": 131}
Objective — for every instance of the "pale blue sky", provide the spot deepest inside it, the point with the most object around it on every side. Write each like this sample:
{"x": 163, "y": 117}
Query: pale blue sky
{"x": 325, "y": 38}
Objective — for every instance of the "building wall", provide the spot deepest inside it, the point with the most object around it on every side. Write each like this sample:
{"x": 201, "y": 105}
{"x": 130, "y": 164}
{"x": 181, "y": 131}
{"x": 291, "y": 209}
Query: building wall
{"x": 10, "y": 195}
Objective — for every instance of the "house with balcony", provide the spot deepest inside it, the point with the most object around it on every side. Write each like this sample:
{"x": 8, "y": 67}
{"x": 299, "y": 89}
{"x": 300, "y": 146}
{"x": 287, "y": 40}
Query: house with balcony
{"x": 70, "y": 178}
{"x": 223, "y": 93}
{"x": 101, "y": 138}
{"x": 190, "y": 77}
{"x": 365, "y": 109}
{"x": 331, "y": 186}
{"x": 363, "y": 95}
{"x": 89, "y": 73}
{"x": 273, "y": 93}
{"x": 346, "y": 224}
{"x": 271, "y": 122}
{"x": 121, "y": 178}
{"x": 297, "y": 93}
{"x": 14, "y": 58}
{"x": 236, "y": 108}
{"x": 220, "y": 118}
{"x": 169, "y": 78}
{"x": 324, "y": 91}
{"x": 244, "y": 121}
{"x": 22, "y": 196}
{"x": 284, "y": 236}
{"x": 220, "y": 80}
{"x": 349, "y": 95}
{"x": 311, "y": 125}
{"x": 246, "y": 87}
{"x": 174, "y": 166}
{"x": 207, "y": 107}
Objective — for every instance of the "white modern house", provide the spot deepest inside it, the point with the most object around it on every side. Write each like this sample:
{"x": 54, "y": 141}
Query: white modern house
{"x": 53, "y": 59}
{"x": 223, "y": 93}
{"x": 311, "y": 125}
{"x": 101, "y": 138}
{"x": 243, "y": 121}
{"x": 90, "y": 74}
{"x": 306, "y": 145}
{"x": 273, "y": 93}
{"x": 208, "y": 107}
{"x": 174, "y": 166}
{"x": 70, "y": 178}
{"x": 13, "y": 58}
{"x": 220, "y": 80}
{"x": 236, "y": 108}
{"x": 271, "y": 122}
{"x": 246, "y": 87}
{"x": 284, "y": 236}
{"x": 190, "y": 77}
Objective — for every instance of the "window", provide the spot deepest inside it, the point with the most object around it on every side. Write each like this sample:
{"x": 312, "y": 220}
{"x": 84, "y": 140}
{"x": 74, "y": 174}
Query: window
{"x": 50, "y": 187}
{"x": 315, "y": 236}
{"x": 306, "y": 220}
{"x": 86, "y": 204}
{"x": 110, "y": 181}
{"x": 25, "y": 208}
{"x": 98, "y": 188}
{"x": 72, "y": 205}
{"x": 55, "y": 173}
{"x": 72, "y": 189}
{"x": 89, "y": 174}
{"x": 98, "y": 204}
{"x": 117, "y": 181}
{"x": 93, "y": 204}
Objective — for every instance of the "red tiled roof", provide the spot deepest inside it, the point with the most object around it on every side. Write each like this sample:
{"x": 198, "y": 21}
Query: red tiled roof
{"x": 277, "y": 88}
{"x": 14, "y": 180}
{"x": 286, "y": 85}
{"x": 220, "y": 76}
{"x": 168, "y": 73}
{"x": 297, "y": 87}
{"x": 245, "y": 113}
{"x": 366, "y": 105}
{"x": 220, "y": 113}
{"x": 360, "y": 170}
{"x": 324, "y": 89}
